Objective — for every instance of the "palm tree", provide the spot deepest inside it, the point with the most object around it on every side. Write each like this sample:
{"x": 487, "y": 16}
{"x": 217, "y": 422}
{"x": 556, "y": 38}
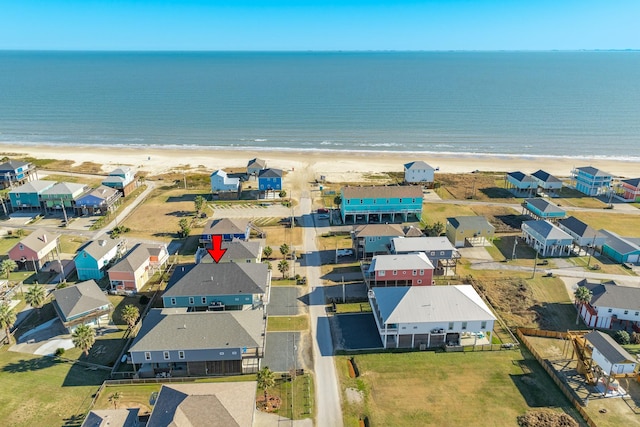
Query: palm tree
{"x": 35, "y": 297}
{"x": 284, "y": 249}
{"x": 115, "y": 398}
{"x": 84, "y": 337}
{"x": 267, "y": 251}
{"x": 266, "y": 379}
{"x": 7, "y": 319}
{"x": 583, "y": 296}
{"x": 130, "y": 314}
{"x": 283, "y": 267}
{"x": 7, "y": 266}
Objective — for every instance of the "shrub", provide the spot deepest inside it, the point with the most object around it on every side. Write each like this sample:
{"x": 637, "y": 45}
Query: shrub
{"x": 622, "y": 337}
{"x": 144, "y": 300}
{"x": 635, "y": 338}
{"x": 546, "y": 419}
{"x": 59, "y": 351}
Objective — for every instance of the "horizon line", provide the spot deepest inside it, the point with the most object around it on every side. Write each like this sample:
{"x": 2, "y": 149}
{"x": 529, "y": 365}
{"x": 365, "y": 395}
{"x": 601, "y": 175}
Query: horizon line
{"x": 316, "y": 50}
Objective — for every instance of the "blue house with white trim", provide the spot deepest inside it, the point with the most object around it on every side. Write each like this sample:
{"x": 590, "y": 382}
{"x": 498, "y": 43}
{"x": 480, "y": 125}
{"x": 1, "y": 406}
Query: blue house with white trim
{"x": 228, "y": 286}
{"x": 270, "y": 179}
{"x": 220, "y": 181}
{"x": 591, "y": 181}
{"x": 543, "y": 209}
{"x": 229, "y": 228}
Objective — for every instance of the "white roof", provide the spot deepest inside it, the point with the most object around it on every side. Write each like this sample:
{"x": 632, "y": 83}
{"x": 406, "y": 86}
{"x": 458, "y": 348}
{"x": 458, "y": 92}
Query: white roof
{"x": 422, "y": 304}
{"x": 415, "y": 261}
{"x": 418, "y": 244}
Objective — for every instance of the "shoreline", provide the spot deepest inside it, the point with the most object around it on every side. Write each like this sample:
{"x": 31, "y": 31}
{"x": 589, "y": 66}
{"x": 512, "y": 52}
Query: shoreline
{"x": 336, "y": 165}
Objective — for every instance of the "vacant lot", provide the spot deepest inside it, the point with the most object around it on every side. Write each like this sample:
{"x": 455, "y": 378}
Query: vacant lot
{"x": 477, "y": 186}
{"x": 158, "y": 217}
{"x": 624, "y": 225}
{"x": 39, "y": 391}
{"x": 447, "y": 389}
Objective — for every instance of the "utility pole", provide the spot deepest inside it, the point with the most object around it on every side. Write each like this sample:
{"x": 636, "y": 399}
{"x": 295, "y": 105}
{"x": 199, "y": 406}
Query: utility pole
{"x": 515, "y": 243}
{"x": 593, "y": 249}
{"x": 535, "y": 264}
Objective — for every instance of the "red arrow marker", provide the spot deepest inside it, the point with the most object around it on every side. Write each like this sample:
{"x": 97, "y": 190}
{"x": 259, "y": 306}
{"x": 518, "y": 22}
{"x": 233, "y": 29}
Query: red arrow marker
{"x": 216, "y": 252}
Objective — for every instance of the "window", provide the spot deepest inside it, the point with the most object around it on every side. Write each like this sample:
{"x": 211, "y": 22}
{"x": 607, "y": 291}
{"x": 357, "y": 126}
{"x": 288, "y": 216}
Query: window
{"x": 165, "y": 354}
{"x": 450, "y": 326}
{"x": 361, "y": 201}
{"x": 441, "y": 252}
{"x": 400, "y": 200}
{"x": 395, "y": 272}
{"x": 382, "y": 273}
{"x": 204, "y": 300}
{"x": 433, "y": 253}
{"x": 237, "y": 299}
{"x": 21, "y": 247}
{"x": 404, "y": 327}
{"x": 180, "y": 354}
{"x": 191, "y": 301}
{"x": 626, "y": 312}
{"x": 637, "y": 312}
{"x": 173, "y": 301}
{"x": 464, "y": 325}
{"x": 415, "y": 327}
{"x": 348, "y": 202}
{"x": 422, "y": 272}
{"x": 222, "y": 353}
{"x": 419, "y": 282}
{"x": 483, "y": 325}
{"x": 147, "y": 355}
{"x": 415, "y": 272}
{"x": 413, "y": 200}
{"x": 610, "y": 310}
{"x": 234, "y": 352}
{"x": 374, "y": 201}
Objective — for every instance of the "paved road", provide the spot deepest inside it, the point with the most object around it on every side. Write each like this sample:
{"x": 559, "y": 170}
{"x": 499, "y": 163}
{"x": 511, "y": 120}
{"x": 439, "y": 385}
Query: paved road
{"x": 328, "y": 404}
{"x": 618, "y": 208}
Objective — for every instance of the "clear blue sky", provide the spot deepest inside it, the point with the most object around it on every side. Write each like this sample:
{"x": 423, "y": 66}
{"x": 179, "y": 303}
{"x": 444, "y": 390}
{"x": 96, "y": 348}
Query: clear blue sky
{"x": 319, "y": 25}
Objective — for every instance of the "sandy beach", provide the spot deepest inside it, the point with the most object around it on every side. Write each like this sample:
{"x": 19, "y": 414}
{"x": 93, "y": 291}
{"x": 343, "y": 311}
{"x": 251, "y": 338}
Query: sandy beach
{"x": 335, "y": 166}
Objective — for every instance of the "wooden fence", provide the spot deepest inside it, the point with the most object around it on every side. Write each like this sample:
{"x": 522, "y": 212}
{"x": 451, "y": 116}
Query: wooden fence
{"x": 577, "y": 403}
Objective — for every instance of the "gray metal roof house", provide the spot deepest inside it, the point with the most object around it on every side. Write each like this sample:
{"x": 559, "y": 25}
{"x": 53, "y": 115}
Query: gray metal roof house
{"x": 172, "y": 342}
{"x": 82, "y": 304}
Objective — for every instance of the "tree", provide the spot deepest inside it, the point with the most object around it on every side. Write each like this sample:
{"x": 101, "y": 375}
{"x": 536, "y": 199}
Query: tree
{"x": 185, "y": 228}
{"x": 7, "y": 266}
{"x": 583, "y": 296}
{"x": 130, "y": 314}
{"x": 282, "y": 194}
{"x": 115, "y": 398}
{"x": 266, "y": 380}
{"x": 337, "y": 200}
{"x": 199, "y": 204}
{"x": 434, "y": 230}
{"x": 621, "y": 337}
{"x": 20, "y": 232}
{"x": 284, "y": 249}
{"x": 7, "y": 319}
{"x": 35, "y": 297}
{"x": 269, "y": 266}
{"x": 283, "y": 267}
{"x": 83, "y": 338}
{"x": 267, "y": 251}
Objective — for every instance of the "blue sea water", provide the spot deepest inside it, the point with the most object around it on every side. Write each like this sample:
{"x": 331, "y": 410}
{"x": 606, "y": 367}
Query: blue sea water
{"x": 576, "y": 104}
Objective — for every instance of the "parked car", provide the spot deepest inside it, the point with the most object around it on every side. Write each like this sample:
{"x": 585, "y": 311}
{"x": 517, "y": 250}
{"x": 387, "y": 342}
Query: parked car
{"x": 345, "y": 252}
{"x": 323, "y": 216}
{"x": 628, "y": 265}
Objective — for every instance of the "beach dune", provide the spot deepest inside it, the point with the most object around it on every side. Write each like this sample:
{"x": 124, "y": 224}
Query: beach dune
{"x": 337, "y": 166}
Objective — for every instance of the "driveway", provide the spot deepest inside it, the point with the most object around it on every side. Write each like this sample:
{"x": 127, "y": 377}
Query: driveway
{"x": 281, "y": 351}
{"x": 475, "y": 253}
{"x": 284, "y": 301}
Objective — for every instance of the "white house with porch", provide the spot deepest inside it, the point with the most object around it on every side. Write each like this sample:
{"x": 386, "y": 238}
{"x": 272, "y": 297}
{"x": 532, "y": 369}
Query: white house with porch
{"x": 429, "y": 316}
{"x": 608, "y": 354}
{"x": 546, "y": 239}
{"x": 611, "y": 304}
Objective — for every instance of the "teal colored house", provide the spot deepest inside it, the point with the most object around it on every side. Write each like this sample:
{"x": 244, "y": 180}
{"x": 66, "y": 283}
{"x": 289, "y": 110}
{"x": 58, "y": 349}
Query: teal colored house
{"x": 591, "y": 181}
{"x": 224, "y": 286}
{"x": 543, "y": 209}
{"x": 93, "y": 259}
{"x": 621, "y": 249}
{"x": 381, "y": 204}
{"x": 63, "y": 194}
{"x": 27, "y": 196}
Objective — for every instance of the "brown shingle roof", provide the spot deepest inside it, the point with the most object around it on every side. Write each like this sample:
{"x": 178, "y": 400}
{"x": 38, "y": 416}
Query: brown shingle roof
{"x": 382, "y": 191}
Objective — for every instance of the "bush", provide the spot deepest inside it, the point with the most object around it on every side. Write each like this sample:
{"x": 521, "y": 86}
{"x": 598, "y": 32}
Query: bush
{"x": 546, "y": 419}
{"x": 59, "y": 351}
{"x": 635, "y": 338}
{"x": 144, "y": 300}
{"x": 622, "y": 337}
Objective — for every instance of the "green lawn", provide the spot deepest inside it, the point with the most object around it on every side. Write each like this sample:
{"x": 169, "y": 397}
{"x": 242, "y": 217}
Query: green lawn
{"x": 356, "y": 307}
{"x": 434, "y": 212}
{"x": 296, "y": 398}
{"x": 287, "y": 323}
{"x": 448, "y": 389}
{"x": 38, "y": 391}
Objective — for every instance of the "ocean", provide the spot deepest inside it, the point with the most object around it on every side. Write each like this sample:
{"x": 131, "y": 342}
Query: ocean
{"x": 573, "y": 104}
